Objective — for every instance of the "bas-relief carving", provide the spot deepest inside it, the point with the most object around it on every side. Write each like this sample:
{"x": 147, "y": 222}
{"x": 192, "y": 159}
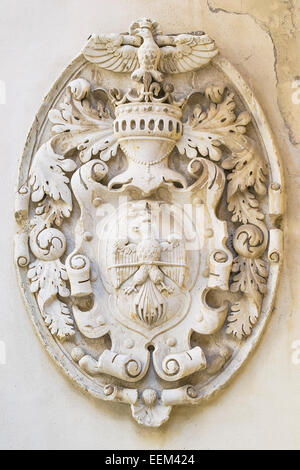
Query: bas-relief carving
{"x": 148, "y": 215}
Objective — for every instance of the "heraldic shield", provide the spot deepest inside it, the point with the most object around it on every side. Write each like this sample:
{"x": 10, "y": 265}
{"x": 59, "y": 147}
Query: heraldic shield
{"x": 150, "y": 258}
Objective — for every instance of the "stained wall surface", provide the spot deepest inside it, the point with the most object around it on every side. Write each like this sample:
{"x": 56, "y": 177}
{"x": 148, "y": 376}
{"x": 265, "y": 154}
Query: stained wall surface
{"x": 39, "y": 407}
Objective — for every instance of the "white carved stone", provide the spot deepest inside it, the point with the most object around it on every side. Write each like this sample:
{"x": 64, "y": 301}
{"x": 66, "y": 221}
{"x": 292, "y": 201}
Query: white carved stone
{"x": 149, "y": 212}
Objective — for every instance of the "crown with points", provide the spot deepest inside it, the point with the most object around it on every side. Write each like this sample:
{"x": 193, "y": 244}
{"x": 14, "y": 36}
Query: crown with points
{"x": 149, "y": 110}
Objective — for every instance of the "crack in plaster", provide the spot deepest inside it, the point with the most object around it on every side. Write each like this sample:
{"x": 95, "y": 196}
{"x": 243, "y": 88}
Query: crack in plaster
{"x": 263, "y": 26}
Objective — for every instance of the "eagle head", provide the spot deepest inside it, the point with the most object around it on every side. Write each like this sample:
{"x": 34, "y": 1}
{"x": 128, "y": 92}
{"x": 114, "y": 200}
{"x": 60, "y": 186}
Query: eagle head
{"x": 138, "y": 26}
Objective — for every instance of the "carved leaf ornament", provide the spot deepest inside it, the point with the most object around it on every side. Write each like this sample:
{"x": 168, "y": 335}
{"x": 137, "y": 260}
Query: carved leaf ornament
{"x": 150, "y": 215}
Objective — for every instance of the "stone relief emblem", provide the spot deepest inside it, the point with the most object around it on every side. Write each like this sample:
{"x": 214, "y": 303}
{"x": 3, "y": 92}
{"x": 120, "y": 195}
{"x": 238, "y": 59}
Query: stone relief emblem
{"x": 149, "y": 208}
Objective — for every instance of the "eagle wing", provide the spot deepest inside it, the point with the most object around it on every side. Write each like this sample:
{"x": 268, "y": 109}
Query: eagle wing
{"x": 112, "y": 52}
{"x": 121, "y": 262}
{"x": 188, "y": 53}
{"x": 174, "y": 256}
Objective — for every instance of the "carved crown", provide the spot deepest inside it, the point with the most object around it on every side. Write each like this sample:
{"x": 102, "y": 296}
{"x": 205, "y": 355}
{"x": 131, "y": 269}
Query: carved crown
{"x": 158, "y": 120}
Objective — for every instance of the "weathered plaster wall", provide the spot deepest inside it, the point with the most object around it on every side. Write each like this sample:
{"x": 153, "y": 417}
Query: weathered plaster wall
{"x": 39, "y": 407}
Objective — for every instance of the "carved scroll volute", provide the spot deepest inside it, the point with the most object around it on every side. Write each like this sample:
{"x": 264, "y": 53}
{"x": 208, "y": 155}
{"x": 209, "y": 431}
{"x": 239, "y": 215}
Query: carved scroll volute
{"x": 48, "y": 279}
{"x": 249, "y": 277}
{"x": 79, "y": 272}
{"x": 22, "y": 257}
{"x": 149, "y": 222}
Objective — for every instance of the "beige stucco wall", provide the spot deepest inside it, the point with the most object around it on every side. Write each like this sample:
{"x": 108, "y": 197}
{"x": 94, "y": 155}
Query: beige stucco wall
{"x": 39, "y": 407}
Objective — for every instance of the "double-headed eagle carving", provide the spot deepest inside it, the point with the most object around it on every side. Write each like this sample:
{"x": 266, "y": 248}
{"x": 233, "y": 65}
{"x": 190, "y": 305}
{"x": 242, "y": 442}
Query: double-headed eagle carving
{"x": 148, "y": 263}
{"x": 145, "y": 51}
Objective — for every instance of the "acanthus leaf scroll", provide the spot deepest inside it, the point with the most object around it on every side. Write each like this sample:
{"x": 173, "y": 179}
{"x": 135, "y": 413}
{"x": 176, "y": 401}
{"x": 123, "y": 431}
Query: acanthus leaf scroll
{"x": 148, "y": 221}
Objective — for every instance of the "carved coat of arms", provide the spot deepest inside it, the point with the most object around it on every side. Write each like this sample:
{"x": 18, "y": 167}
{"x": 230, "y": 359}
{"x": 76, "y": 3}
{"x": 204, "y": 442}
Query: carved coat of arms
{"x": 149, "y": 210}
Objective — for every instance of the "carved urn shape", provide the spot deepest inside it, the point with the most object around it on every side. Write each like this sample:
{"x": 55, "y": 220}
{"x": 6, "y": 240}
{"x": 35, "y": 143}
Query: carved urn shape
{"x": 148, "y": 211}
{"x": 147, "y": 133}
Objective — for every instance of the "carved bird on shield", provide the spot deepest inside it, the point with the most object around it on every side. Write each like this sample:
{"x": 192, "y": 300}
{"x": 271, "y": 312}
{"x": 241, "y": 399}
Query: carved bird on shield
{"x": 148, "y": 263}
{"x": 146, "y": 51}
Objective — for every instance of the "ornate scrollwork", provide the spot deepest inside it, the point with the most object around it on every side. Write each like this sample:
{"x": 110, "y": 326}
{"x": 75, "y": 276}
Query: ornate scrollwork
{"x": 250, "y": 278}
{"x": 168, "y": 255}
{"x": 48, "y": 280}
{"x": 80, "y": 126}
